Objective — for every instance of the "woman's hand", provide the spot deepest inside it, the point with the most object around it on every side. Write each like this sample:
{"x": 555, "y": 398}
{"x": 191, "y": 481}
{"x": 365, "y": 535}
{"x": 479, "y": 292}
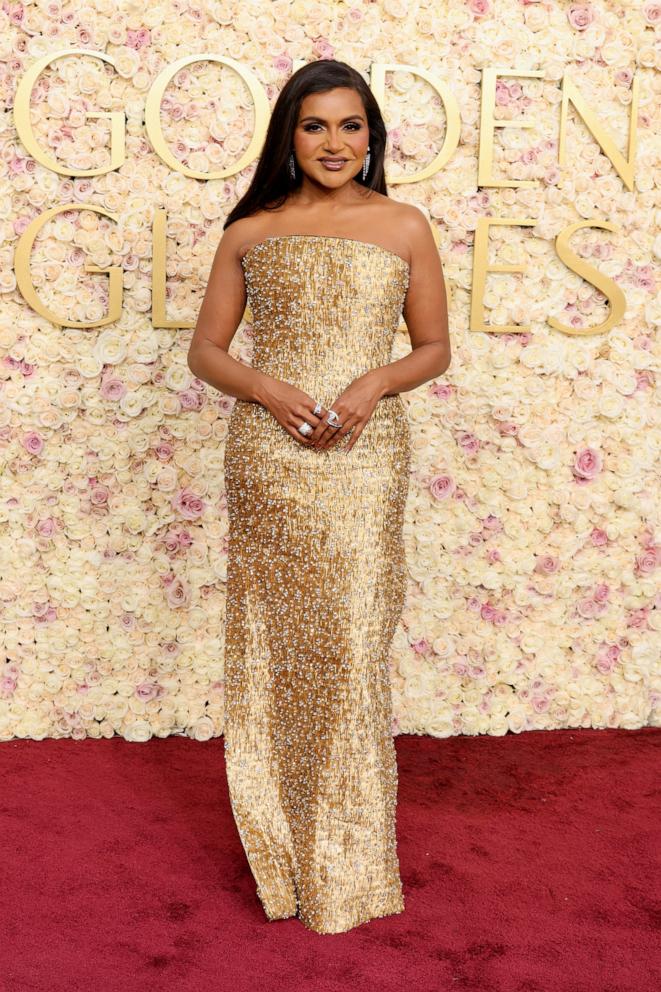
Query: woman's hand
{"x": 353, "y": 407}
{"x": 292, "y": 406}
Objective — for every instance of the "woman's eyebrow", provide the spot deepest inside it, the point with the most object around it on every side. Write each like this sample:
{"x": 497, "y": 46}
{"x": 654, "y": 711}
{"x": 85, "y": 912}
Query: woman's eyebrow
{"x": 343, "y": 121}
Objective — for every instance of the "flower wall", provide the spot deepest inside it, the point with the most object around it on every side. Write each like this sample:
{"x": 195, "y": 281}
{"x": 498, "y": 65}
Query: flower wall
{"x": 533, "y": 556}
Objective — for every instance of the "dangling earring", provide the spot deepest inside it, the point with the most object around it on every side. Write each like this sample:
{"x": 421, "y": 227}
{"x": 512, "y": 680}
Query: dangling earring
{"x": 292, "y": 166}
{"x": 366, "y": 163}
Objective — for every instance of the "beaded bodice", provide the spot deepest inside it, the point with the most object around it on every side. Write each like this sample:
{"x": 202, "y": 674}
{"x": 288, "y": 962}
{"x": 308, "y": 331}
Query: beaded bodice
{"x": 325, "y": 309}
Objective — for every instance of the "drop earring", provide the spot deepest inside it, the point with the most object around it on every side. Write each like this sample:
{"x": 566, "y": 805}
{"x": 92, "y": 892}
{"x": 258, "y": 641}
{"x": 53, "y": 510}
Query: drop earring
{"x": 366, "y": 163}
{"x": 292, "y": 166}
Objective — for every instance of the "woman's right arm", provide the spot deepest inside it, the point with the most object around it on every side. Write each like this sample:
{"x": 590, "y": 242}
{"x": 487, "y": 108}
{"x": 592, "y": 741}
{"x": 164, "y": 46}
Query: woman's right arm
{"x": 222, "y": 308}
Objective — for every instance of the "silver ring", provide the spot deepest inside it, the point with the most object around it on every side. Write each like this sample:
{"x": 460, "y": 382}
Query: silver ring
{"x": 305, "y": 428}
{"x": 317, "y": 409}
{"x": 332, "y": 419}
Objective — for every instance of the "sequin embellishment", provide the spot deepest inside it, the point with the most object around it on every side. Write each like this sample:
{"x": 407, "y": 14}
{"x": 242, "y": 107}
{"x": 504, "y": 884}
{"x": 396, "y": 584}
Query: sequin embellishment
{"x": 316, "y": 579}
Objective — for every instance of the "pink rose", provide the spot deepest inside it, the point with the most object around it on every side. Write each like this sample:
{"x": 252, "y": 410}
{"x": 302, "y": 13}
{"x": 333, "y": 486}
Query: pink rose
{"x": 45, "y": 528}
{"x": 171, "y": 541}
{"x": 598, "y": 537}
{"x": 580, "y": 16}
{"x": 185, "y": 539}
{"x": 112, "y": 389}
{"x": 163, "y": 451}
{"x": 547, "y": 564}
{"x": 147, "y": 690}
{"x": 638, "y": 619}
{"x": 282, "y": 63}
{"x": 623, "y": 77}
{"x": 468, "y": 442}
{"x": 421, "y": 647}
{"x": 188, "y": 504}
{"x": 503, "y": 96}
{"x": 189, "y": 399}
{"x": 601, "y": 593}
{"x": 479, "y": 7}
{"x": 441, "y": 390}
{"x": 604, "y": 664}
{"x": 178, "y": 594}
{"x": 587, "y": 608}
{"x": 644, "y": 380}
{"x": 648, "y": 560}
{"x": 442, "y": 486}
{"x": 587, "y": 464}
{"x": 323, "y": 49}
{"x": 652, "y": 12}
{"x": 98, "y": 494}
{"x": 33, "y": 443}
{"x": 137, "y": 39}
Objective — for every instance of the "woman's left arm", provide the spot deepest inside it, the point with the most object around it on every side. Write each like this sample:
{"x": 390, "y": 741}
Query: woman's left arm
{"x": 425, "y": 312}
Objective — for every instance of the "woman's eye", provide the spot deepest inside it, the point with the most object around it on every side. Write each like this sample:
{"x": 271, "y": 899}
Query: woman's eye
{"x": 353, "y": 125}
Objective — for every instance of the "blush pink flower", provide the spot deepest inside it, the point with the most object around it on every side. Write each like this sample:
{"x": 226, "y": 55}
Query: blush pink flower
{"x": 33, "y": 443}
{"x": 188, "y": 504}
{"x": 190, "y": 399}
{"x": 598, "y": 537}
{"x": 547, "y": 564}
{"x": 479, "y": 7}
{"x": 137, "y": 39}
{"x": 45, "y": 527}
{"x": 587, "y": 464}
{"x": 441, "y": 390}
{"x": 112, "y": 389}
{"x": 163, "y": 451}
{"x": 442, "y": 487}
{"x": 282, "y": 63}
{"x": 601, "y": 593}
{"x": 647, "y": 562}
{"x": 147, "y": 691}
{"x": 468, "y": 442}
{"x": 580, "y": 15}
{"x": 177, "y": 594}
{"x": 98, "y": 494}
{"x": 652, "y": 12}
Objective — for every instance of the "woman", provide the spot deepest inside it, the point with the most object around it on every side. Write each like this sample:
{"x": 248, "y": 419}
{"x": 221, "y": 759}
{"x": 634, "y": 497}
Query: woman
{"x": 316, "y": 473}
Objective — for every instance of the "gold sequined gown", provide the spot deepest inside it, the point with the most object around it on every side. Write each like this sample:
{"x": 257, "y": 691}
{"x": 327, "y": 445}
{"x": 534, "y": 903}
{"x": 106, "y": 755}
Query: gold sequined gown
{"x": 315, "y": 588}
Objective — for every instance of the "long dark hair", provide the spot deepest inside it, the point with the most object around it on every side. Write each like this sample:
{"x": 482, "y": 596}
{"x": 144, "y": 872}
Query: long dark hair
{"x": 271, "y": 182}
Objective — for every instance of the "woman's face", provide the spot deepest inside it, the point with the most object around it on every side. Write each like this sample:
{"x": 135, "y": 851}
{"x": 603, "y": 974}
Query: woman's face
{"x": 331, "y": 125}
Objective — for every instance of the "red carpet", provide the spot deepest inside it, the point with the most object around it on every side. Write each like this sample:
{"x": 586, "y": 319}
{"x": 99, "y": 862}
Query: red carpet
{"x": 530, "y": 863}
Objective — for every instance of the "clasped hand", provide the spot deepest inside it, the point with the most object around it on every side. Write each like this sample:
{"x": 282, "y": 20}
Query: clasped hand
{"x": 354, "y": 407}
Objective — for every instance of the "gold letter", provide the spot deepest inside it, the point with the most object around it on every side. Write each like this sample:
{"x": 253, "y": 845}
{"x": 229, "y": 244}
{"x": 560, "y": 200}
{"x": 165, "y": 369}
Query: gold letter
{"x": 24, "y": 281}
{"x": 153, "y": 115}
{"x": 488, "y": 123}
{"x": 480, "y": 269}
{"x": 610, "y": 290}
{"x": 24, "y": 125}
{"x": 158, "y": 275}
{"x": 453, "y": 120}
{"x": 624, "y": 168}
